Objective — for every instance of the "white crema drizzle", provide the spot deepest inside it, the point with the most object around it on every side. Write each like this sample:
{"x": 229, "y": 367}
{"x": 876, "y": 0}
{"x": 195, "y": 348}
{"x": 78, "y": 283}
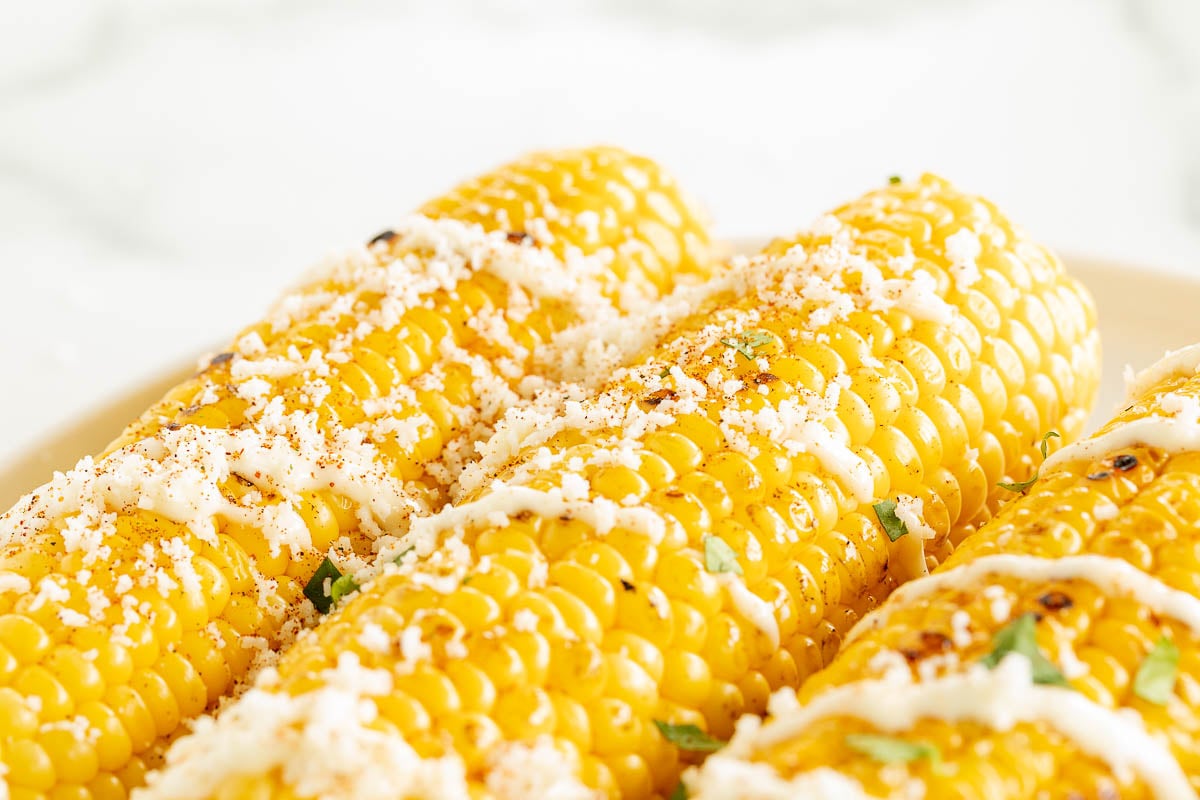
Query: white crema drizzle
{"x": 999, "y": 699}
{"x": 1111, "y": 575}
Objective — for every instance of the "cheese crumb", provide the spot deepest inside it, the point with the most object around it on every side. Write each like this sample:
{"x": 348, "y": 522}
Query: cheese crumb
{"x": 963, "y": 248}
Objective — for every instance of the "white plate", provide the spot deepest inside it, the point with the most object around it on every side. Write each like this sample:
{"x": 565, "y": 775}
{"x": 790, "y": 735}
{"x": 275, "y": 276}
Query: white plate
{"x": 1142, "y": 314}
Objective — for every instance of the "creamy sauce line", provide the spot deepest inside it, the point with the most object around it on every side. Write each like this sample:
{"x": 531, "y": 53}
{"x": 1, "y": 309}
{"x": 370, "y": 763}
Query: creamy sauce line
{"x": 1104, "y": 572}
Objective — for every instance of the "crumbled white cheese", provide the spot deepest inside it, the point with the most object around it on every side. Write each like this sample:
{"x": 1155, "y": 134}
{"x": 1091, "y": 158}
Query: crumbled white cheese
{"x": 12, "y": 582}
{"x": 321, "y": 741}
{"x": 525, "y": 621}
{"x": 999, "y": 603}
{"x": 910, "y": 510}
{"x": 374, "y": 638}
{"x": 963, "y": 248}
{"x": 413, "y": 649}
{"x": 1106, "y": 510}
{"x": 960, "y": 628}
{"x": 540, "y": 770}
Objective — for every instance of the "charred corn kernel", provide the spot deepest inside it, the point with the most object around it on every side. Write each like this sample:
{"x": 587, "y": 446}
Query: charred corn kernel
{"x": 1090, "y": 577}
{"x": 389, "y": 360}
{"x": 740, "y": 571}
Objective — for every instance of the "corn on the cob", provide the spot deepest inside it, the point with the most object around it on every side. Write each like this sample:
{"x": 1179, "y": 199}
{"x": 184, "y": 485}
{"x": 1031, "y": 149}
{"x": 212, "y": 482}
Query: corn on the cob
{"x": 135, "y": 590}
{"x": 699, "y": 533}
{"x": 1055, "y": 654}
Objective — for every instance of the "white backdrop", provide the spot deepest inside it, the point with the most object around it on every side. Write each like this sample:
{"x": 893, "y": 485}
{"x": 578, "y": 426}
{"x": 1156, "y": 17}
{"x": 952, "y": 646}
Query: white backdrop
{"x": 165, "y": 167}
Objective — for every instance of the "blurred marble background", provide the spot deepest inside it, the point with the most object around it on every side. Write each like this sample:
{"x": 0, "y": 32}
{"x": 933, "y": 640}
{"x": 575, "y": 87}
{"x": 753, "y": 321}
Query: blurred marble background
{"x": 167, "y": 165}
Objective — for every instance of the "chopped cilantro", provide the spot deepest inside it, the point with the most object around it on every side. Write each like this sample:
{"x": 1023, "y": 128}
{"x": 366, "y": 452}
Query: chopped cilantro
{"x": 747, "y": 342}
{"x": 758, "y": 339}
{"x": 720, "y": 557}
{"x": 1021, "y": 486}
{"x": 666, "y": 371}
{"x": 1155, "y": 679}
{"x": 688, "y": 737}
{"x": 314, "y": 590}
{"x": 743, "y": 348}
{"x": 893, "y": 526}
{"x": 893, "y": 179}
{"x": 679, "y": 792}
{"x": 1020, "y": 636}
{"x": 889, "y": 749}
{"x": 341, "y": 587}
{"x": 1046, "y": 443}
{"x": 398, "y": 560}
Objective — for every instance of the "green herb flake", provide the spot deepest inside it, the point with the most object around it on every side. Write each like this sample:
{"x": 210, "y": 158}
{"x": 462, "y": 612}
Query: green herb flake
{"x": 720, "y": 557}
{"x": 399, "y": 560}
{"x": 341, "y": 587}
{"x": 893, "y": 526}
{"x": 1020, "y": 637}
{"x": 679, "y": 793}
{"x": 1046, "y": 443}
{"x": 891, "y": 750}
{"x": 746, "y": 350}
{"x": 688, "y": 737}
{"x": 1155, "y": 679}
{"x": 893, "y": 179}
{"x": 747, "y": 342}
{"x": 1019, "y": 486}
{"x": 665, "y": 373}
{"x": 759, "y": 339}
{"x": 314, "y": 590}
